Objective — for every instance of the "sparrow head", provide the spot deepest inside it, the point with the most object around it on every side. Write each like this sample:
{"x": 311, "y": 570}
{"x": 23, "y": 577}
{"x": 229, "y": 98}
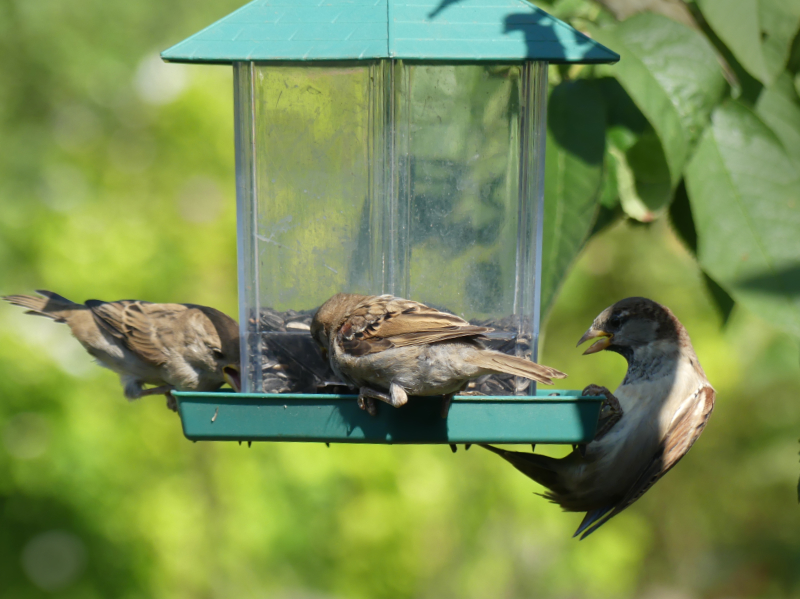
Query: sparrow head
{"x": 222, "y": 338}
{"x": 330, "y": 316}
{"x": 630, "y": 324}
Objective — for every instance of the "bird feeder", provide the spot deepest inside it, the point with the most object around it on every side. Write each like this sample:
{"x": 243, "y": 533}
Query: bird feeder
{"x": 385, "y": 146}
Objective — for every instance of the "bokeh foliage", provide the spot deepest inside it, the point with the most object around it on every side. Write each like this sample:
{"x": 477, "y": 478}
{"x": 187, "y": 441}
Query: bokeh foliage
{"x": 116, "y": 181}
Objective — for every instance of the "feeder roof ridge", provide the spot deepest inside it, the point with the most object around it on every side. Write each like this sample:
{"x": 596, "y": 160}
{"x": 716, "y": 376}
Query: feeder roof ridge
{"x": 430, "y": 30}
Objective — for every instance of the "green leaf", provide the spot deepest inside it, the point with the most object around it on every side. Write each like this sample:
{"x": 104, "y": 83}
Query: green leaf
{"x": 637, "y": 175}
{"x": 680, "y": 217}
{"x": 573, "y": 177}
{"x": 778, "y": 107}
{"x": 743, "y": 191}
{"x": 759, "y": 33}
{"x": 723, "y": 302}
{"x": 672, "y": 74}
{"x": 640, "y": 172}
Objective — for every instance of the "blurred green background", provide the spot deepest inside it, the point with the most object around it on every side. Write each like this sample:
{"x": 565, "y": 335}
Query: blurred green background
{"x": 116, "y": 181}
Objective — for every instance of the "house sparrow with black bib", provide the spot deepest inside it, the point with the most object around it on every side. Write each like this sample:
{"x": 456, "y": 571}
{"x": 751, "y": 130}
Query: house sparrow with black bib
{"x": 183, "y": 347}
{"x": 390, "y": 348}
{"x": 665, "y": 400}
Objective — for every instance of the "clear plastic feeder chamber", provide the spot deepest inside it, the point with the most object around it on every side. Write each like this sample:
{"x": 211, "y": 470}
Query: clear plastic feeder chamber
{"x": 419, "y": 180}
{"x": 387, "y": 147}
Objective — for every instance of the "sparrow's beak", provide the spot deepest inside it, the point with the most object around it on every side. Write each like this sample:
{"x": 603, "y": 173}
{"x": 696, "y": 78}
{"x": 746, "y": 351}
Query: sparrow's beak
{"x": 233, "y": 377}
{"x": 597, "y": 346}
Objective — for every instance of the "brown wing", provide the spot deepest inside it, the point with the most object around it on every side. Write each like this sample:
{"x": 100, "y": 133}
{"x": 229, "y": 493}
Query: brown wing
{"x": 141, "y": 326}
{"x": 383, "y": 322}
{"x": 685, "y": 429}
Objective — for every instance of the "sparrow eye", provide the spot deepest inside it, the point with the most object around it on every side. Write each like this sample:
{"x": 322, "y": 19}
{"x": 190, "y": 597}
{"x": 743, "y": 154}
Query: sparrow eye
{"x": 615, "y": 320}
{"x": 218, "y": 354}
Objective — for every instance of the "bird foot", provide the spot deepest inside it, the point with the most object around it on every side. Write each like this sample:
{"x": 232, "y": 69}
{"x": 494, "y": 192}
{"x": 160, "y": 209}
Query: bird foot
{"x": 367, "y": 397}
{"x": 162, "y": 390}
{"x": 172, "y": 403}
{"x": 610, "y": 411}
{"x": 446, "y": 401}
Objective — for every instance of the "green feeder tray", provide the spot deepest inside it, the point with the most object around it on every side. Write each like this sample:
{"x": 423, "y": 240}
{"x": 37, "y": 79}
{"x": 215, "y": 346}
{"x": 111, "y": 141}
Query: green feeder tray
{"x": 548, "y": 417}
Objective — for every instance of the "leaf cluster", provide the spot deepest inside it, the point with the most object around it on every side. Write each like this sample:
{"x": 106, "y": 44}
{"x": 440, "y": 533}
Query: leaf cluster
{"x": 699, "y": 123}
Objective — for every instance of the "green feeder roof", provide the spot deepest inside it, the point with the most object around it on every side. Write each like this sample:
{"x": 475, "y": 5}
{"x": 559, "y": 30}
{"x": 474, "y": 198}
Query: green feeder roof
{"x": 439, "y": 30}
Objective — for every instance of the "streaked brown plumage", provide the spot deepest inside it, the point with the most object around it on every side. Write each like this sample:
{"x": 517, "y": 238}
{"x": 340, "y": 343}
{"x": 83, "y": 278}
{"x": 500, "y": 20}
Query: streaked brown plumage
{"x": 666, "y": 401}
{"x": 378, "y": 343}
{"x": 185, "y": 347}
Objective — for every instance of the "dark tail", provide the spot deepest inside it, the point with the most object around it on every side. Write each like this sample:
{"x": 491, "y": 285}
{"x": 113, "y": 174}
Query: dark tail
{"x": 50, "y": 305}
{"x": 541, "y": 468}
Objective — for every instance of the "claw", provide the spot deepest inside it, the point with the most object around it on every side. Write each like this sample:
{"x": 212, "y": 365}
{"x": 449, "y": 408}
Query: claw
{"x": 610, "y": 411}
{"x": 446, "y": 401}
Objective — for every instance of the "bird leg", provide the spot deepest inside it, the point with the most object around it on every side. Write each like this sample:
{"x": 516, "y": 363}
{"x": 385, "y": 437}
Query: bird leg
{"x": 610, "y": 411}
{"x": 133, "y": 390}
{"x": 396, "y": 397}
{"x": 367, "y": 397}
{"x": 446, "y": 401}
{"x": 166, "y": 391}
{"x": 162, "y": 390}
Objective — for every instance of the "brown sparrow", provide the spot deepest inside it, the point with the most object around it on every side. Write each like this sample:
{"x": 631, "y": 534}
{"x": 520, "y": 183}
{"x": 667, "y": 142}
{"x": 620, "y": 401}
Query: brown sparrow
{"x": 665, "y": 399}
{"x": 378, "y": 343}
{"x": 173, "y": 346}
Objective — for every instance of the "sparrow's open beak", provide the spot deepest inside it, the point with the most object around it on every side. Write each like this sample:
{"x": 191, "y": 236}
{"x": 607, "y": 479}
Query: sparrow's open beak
{"x": 597, "y": 346}
{"x": 233, "y": 377}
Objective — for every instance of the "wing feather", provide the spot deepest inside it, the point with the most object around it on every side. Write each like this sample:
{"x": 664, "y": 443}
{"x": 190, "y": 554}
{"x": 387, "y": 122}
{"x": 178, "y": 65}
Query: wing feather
{"x": 684, "y": 430}
{"x": 140, "y": 326}
{"x": 385, "y": 322}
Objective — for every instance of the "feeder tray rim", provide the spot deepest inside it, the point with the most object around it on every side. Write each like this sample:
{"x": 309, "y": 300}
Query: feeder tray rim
{"x": 547, "y": 395}
{"x": 566, "y": 418}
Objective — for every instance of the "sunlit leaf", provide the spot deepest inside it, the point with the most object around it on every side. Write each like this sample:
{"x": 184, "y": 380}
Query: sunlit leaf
{"x": 743, "y": 190}
{"x": 778, "y": 107}
{"x": 672, "y": 74}
{"x": 759, "y": 33}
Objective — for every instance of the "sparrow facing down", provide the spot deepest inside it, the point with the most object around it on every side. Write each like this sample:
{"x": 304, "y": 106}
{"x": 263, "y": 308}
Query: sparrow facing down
{"x": 665, "y": 399}
{"x": 383, "y": 342}
{"x": 185, "y": 347}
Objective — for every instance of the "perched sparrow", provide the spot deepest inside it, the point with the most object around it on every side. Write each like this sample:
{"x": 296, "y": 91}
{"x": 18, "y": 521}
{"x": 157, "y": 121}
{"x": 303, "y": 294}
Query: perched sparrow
{"x": 666, "y": 400}
{"x": 173, "y": 346}
{"x": 378, "y": 343}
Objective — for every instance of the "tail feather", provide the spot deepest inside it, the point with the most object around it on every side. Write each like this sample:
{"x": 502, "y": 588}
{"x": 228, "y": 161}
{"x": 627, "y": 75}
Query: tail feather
{"x": 541, "y": 468}
{"x": 55, "y": 297}
{"x": 499, "y": 363}
{"x": 591, "y": 518}
{"x": 51, "y": 305}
